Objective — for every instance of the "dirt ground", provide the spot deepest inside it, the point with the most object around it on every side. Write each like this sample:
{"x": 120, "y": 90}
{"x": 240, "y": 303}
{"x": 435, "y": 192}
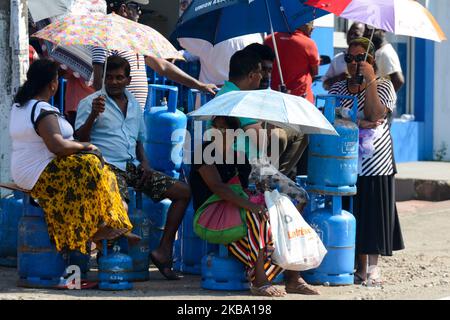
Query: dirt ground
{"x": 421, "y": 271}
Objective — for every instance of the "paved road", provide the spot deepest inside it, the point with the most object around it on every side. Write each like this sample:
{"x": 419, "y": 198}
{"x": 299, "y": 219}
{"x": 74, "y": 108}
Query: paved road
{"x": 422, "y": 271}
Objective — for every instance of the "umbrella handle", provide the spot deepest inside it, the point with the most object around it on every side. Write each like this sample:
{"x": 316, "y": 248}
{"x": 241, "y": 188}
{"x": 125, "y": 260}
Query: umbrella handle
{"x": 359, "y": 76}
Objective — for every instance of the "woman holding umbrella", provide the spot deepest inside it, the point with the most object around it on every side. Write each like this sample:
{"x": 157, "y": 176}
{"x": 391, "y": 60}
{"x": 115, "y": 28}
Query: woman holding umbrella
{"x": 255, "y": 249}
{"x": 377, "y": 224}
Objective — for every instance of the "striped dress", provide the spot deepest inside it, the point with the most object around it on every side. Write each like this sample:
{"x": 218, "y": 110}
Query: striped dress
{"x": 139, "y": 85}
{"x": 377, "y": 224}
{"x": 382, "y": 161}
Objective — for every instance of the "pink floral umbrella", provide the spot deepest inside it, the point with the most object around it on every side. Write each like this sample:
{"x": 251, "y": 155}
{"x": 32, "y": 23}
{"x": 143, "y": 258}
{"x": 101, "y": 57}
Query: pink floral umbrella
{"x": 76, "y": 58}
{"x": 111, "y": 32}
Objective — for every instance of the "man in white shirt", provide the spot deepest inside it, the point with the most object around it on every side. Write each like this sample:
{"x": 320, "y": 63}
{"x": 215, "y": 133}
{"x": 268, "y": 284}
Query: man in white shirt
{"x": 386, "y": 59}
{"x": 338, "y": 67}
{"x": 215, "y": 59}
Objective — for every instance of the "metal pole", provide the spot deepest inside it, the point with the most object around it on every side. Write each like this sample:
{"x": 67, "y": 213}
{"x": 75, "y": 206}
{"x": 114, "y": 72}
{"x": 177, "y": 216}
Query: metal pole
{"x": 371, "y": 37}
{"x": 282, "y": 85}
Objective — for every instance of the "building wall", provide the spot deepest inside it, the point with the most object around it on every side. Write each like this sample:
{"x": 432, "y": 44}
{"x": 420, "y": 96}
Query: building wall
{"x": 13, "y": 66}
{"x": 441, "y": 11}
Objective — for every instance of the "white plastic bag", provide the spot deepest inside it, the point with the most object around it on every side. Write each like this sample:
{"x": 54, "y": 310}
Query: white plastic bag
{"x": 297, "y": 245}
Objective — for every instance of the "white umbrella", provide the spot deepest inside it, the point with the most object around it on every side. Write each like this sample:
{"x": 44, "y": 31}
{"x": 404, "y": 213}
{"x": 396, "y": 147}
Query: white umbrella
{"x": 280, "y": 109}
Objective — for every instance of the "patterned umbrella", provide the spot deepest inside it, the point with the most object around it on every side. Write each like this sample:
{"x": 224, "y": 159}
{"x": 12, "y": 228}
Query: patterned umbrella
{"x": 402, "y": 17}
{"x": 76, "y": 58}
{"x": 111, "y": 32}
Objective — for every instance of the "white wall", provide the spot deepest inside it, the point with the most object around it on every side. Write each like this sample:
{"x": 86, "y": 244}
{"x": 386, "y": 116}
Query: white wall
{"x": 13, "y": 66}
{"x": 441, "y": 11}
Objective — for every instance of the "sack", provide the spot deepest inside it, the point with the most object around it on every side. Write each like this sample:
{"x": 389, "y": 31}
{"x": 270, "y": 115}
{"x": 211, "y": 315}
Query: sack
{"x": 297, "y": 245}
{"x": 219, "y": 221}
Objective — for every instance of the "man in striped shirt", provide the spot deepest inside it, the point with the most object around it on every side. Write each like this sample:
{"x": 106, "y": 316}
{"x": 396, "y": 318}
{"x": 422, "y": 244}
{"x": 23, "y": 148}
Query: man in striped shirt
{"x": 138, "y": 86}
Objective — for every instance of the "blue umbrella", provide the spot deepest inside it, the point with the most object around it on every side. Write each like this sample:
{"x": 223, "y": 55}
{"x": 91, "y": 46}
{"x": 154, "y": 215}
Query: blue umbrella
{"x": 219, "y": 20}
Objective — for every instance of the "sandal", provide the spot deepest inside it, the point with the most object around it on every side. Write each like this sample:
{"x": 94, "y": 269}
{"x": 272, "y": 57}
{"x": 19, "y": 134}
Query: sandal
{"x": 84, "y": 284}
{"x": 357, "y": 279}
{"x": 163, "y": 267}
{"x": 374, "y": 278}
{"x": 265, "y": 292}
{"x": 303, "y": 288}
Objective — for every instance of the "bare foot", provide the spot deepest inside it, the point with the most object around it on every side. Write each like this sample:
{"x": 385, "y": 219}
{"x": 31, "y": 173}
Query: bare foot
{"x": 108, "y": 233}
{"x": 267, "y": 290}
{"x": 164, "y": 264}
{"x": 132, "y": 238}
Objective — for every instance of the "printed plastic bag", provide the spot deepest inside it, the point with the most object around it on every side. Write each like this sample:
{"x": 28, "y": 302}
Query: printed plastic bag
{"x": 266, "y": 177}
{"x": 297, "y": 245}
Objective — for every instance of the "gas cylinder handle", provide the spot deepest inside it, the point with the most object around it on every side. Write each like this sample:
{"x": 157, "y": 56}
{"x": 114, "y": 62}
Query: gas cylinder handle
{"x": 330, "y": 107}
{"x": 173, "y": 96}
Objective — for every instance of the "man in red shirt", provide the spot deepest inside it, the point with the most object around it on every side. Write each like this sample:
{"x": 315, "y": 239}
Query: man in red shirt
{"x": 299, "y": 59}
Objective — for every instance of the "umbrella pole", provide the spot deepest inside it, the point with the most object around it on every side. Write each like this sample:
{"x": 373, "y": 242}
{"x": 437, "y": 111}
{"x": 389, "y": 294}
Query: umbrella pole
{"x": 104, "y": 76}
{"x": 282, "y": 86}
{"x": 371, "y": 37}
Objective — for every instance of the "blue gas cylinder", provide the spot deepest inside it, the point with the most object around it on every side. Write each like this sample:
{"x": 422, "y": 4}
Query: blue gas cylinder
{"x": 189, "y": 248}
{"x": 79, "y": 259}
{"x": 157, "y": 216}
{"x": 337, "y": 230}
{"x": 315, "y": 200}
{"x": 39, "y": 265}
{"x": 333, "y": 160}
{"x": 140, "y": 251}
{"x": 115, "y": 270}
{"x": 11, "y": 210}
{"x": 166, "y": 129}
{"x": 222, "y": 272}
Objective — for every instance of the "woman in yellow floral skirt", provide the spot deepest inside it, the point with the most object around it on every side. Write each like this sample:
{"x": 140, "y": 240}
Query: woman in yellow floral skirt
{"x": 79, "y": 195}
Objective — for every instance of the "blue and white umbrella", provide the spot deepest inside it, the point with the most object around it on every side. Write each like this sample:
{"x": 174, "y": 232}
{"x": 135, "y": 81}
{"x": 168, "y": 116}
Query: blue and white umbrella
{"x": 216, "y": 21}
{"x": 280, "y": 109}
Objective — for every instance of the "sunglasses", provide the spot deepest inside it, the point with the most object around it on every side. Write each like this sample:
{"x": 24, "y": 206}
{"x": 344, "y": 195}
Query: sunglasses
{"x": 134, "y": 6}
{"x": 349, "y": 58}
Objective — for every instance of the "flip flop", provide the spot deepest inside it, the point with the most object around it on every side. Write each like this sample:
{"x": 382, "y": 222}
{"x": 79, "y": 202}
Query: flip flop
{"x": 84, "y": 284}
{"x": 357, "y": 279}
{"x": 374, "y": 279}
{"x": 263, "y": 292}
{"x": 162, "y": 267}
{"x": 303, "y": 288}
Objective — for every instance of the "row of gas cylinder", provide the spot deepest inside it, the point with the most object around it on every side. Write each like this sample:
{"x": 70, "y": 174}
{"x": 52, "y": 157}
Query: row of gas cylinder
{"x": 332, "y": 173}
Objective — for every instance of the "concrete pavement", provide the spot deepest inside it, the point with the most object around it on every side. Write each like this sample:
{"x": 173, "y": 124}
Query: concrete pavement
{"x": 424, "y": 180}
{"x": 421, "y": 271}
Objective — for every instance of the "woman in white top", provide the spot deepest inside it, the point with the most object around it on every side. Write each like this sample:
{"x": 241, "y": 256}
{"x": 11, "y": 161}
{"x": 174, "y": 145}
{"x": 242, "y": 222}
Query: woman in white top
{"x": 78, "y": 194}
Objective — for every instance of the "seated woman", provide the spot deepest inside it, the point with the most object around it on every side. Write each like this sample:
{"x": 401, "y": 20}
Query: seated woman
{"x": 255, "y": 249}
{"x": 79, "y": 195}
